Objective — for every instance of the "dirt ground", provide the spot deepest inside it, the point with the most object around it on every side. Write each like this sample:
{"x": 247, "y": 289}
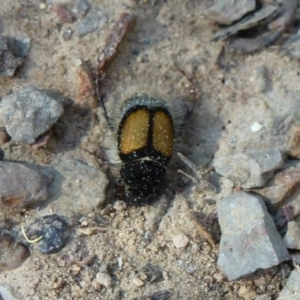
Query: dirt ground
{"x": 167, "y": 36}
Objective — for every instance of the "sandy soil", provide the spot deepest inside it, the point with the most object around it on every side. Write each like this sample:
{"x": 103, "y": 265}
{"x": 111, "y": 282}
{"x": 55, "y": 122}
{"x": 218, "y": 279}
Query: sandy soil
{"x": 167, "y": 36}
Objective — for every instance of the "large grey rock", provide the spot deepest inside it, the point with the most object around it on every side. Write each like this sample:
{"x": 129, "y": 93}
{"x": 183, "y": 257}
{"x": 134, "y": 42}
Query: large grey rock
{"x": 250, "y": 170}
{"x": 78, "y": 188}
{"x": 29, "y": 113}
{"x": 250, "y": 240}
{"x": 227, "y": 11}
{"x": 291, "y": 291}
{"x": 20, "y": 185}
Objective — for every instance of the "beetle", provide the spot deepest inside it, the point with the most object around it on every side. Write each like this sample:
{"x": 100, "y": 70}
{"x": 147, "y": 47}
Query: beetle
{"x": 146, "y": 130}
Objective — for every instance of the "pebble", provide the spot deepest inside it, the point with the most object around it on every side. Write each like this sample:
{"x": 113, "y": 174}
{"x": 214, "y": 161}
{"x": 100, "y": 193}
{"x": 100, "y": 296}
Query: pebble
{"x": 250, "y": 170}
{"x": 246, "y": 293}
{"x": 13, "y": 51}
{"x": 29, "y": 113}
{"x": 81, "y": 7}
{"x": 63, "y": 14}
{"x": 120, "y": 205}
{"x": 53, "y": 229}
{"x": 21, "y": 186}
{"x": 180, "y": 240}
{"x": 292, "y": 235}
{"x": 138, "y": 282}
{"x": 283, "y": 185}
{"x": 256, "y": 126}
{"x": 80, "y": 188}
{"x": 291, "y": 290}
{"x": 12, "y": 253}
{"x": 250, "y": 240}
{"x": 104, "y": 279}
{"x": 293, "y": 143}
{"x": 292, "y": 45}
{"x": 93, "y": 20}
{"x": 227, "y": 11}
{"x": 85, "y": 95}
{"x": 7, "y": 292}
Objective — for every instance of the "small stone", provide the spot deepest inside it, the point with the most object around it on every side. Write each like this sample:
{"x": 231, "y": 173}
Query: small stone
{"x": 291, "y": 238}
{"x": 63, "y": 15}
{"x": 250, "y": 240}
{"x": 283, "y": 185}
{"x": 255, "y": 127}
{"x": 120, "y": 205}
{"x": 227, "y": 11}
{"x": 29, "y": 113}
{"x": 250, "y": 170}
{"x": 93, "y": 20}
{"x": 67, "y": 34}
{"x": 291, "y": 291}
{"x": 21, "y": 186}
{"x": 246, "y": 293}
{"x": 218, "y": 277}
{"x": 43, "y": 6}
{"x": 81, "y": 7}
{"x": 293, "y": 143}
{"x": 180, "y": 240}
{"x": 53, "y": 229}
{"x": 13, "y": 50}
{"x": 104, "y": 279}
{"x": 137, "y": 281}
{"x": 85, "y": 95}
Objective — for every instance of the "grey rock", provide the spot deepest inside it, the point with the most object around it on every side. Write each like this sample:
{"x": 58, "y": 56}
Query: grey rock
{"x": 292, "y": 45}
{"x": 81, "y": 7}
{"x": 227, "y": 11}
{"x": 292, "y": 235}
{"x": 20, "y": 185}
{"x": 93, "y": 20}
{"x": 13, "y": 50}
{"x": 79, "y": 188}
{"x": 104, "y": 279}
{"x": 250, "y": 170}
{"x": 291, "y": 291}
{"x": 29, "y": 113}
{"x": 250, "y": 240}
